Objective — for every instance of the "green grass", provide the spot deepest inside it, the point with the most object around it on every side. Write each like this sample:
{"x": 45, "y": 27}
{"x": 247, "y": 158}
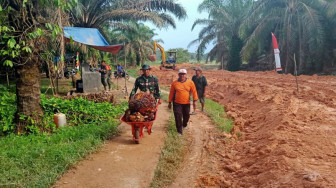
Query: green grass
{"x": 64, "y": 86}
{"x": 164, "y": 97}
{"x": 133, "y": 72}
{"x": 172, "y": 155}
{"x": 175, "y": 147}
{"x": 218, "y": 116}
{"x": 38, "y": 160}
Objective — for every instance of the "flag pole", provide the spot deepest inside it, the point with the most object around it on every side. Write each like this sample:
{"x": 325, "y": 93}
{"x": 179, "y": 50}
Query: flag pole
{"x": 276, "y": 54}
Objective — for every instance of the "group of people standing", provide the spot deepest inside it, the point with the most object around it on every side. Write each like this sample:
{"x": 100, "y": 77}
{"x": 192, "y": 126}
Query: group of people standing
{"x": 106, "y": 74}
{"x": 179, "y": 95}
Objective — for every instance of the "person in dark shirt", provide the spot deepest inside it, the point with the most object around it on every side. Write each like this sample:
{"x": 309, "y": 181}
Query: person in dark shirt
{"x": 104, "y": 74}
{"x": 201, "y": 84}
{"x": 147, "y": 83}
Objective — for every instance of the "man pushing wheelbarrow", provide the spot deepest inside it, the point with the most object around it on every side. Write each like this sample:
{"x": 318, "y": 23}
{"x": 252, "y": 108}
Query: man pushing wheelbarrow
{"x": 143, "y": 106}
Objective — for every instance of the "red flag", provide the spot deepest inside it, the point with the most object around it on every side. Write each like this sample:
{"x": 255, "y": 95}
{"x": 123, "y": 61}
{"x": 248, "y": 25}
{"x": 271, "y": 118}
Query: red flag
{"x": 275, "y": 42}
{"x": 276, "y": 53}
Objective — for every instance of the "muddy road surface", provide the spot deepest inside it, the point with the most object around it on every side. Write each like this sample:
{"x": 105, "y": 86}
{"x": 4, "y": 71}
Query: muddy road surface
{"x": 120, "y": 162}
{"x": 282, "y": 137}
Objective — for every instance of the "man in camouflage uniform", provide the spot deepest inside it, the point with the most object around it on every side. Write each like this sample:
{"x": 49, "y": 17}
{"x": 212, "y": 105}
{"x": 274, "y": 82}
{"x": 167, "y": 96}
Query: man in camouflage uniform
{"x": 147, "y": 83}
{"x": 104, "y": 74}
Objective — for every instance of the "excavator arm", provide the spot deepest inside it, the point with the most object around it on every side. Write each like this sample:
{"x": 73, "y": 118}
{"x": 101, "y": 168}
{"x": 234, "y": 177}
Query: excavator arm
{"x": 163, "y": 55}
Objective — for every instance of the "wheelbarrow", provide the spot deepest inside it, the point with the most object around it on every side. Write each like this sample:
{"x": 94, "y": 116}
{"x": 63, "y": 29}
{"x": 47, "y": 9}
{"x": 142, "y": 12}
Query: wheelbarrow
{"x": 137, "y": 127}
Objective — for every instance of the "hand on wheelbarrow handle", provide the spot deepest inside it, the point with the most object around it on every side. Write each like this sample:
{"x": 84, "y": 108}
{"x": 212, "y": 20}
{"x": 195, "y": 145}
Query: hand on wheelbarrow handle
{"x": 158, "y": 102}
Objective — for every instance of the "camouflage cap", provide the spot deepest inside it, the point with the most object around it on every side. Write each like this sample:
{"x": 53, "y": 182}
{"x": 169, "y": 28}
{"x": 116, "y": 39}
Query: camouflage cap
{"x": 145, "y": 67}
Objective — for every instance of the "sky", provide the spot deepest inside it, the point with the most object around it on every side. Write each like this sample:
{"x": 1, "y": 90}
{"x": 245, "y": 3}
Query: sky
{"x": 182, "y": 35}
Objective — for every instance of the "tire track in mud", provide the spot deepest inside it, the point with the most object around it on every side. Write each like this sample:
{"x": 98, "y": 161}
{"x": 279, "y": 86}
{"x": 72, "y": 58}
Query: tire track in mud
{"x": 200, "y": 132}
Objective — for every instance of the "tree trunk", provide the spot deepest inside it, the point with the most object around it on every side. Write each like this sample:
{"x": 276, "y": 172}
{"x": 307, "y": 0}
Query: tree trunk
{"x": 236, "y": 46}
{"x": 28, "y": 96}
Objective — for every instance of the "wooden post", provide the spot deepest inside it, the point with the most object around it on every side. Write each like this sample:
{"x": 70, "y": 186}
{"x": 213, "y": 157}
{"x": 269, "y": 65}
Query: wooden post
{"x": 56, "y": 72}
{"x": 295, "y": 74}
{"x": 51, "y": 80}
{"x": 126, "y": 92}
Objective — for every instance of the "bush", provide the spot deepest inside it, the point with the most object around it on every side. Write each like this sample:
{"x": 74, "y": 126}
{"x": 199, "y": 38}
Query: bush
{"x": 7, "y": 110}
{"x": 78, "y": 111}
{"x": 37, "y": 160}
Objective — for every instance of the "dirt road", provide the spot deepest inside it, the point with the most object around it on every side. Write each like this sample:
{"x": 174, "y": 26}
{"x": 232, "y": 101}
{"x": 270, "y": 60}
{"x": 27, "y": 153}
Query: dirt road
{"x": 121, "y": 162}
{"x": 281, "y": 138}
{"x": 288, "y": 137}
{"x": 200, "y": 132}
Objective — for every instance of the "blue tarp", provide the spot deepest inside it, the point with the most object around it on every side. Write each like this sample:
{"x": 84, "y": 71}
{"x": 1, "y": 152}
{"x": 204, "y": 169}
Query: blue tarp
{"x": 91, "y": 37}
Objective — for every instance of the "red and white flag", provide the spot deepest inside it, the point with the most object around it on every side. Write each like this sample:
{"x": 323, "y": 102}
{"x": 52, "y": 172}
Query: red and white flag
{"x": 276, "y": 54}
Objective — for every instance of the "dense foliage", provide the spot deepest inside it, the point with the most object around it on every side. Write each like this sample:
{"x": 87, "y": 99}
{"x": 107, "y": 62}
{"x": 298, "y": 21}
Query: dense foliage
{"x": 37, "y": 160}
{"x": 7, "y": 110}
{"x": 301, "y": 27}
{"x": 241, "y": 32}
{"x": 221, "y": 28}
{"x": 30, "y": 29}
{"x": 78, "y": 111}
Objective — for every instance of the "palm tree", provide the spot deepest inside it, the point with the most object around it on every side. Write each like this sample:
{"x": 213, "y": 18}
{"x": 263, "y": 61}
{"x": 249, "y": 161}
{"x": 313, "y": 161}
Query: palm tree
{"x": 90, "y": 13}
{"x": 299, "y": 26}
{"x": 27, "y": 24}
{"x": 138, "y": 39}
{"x": 221, "y": 28}
{"x": 115, "y": 14}
{"x": 28, "y": 16}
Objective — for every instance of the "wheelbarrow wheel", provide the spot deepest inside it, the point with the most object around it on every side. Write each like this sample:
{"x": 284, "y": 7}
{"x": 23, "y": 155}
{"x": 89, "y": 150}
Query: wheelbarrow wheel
{"x": 137, "y": 135}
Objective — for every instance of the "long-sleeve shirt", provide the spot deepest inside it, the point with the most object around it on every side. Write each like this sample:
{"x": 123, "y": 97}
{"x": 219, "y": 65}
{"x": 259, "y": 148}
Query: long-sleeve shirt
{"x": 144, "y": 83}
{"x": 180, "y": 92}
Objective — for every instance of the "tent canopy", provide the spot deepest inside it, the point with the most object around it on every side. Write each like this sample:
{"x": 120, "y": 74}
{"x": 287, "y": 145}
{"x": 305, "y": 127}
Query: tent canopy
{"x": 91, "y": 37}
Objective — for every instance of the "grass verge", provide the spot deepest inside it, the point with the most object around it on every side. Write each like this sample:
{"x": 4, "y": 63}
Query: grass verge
{"x": 171, "y": 156}
{"x": 175, "y": 147}
{"x": 38, "y": 160}
{"x": 217, "y": 114}
{"x": 133, "y": 72}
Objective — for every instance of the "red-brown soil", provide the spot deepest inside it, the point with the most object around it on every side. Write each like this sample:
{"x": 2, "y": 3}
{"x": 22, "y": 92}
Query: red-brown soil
{"x": 288, "y": 136}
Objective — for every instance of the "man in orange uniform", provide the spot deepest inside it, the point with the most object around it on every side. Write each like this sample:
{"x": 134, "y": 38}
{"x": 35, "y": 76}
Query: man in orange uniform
{"x": 180, "y": 94}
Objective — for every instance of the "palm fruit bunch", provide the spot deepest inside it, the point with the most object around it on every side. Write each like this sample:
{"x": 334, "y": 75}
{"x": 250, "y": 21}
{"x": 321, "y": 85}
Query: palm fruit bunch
{"x": 141, "y": 108}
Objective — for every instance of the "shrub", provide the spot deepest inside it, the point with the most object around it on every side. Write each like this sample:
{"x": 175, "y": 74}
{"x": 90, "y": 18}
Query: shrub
{"x": 78, "y": 111}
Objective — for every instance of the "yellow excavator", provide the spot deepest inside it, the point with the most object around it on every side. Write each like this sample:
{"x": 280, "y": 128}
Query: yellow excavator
{"x": 168, "y": 64}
